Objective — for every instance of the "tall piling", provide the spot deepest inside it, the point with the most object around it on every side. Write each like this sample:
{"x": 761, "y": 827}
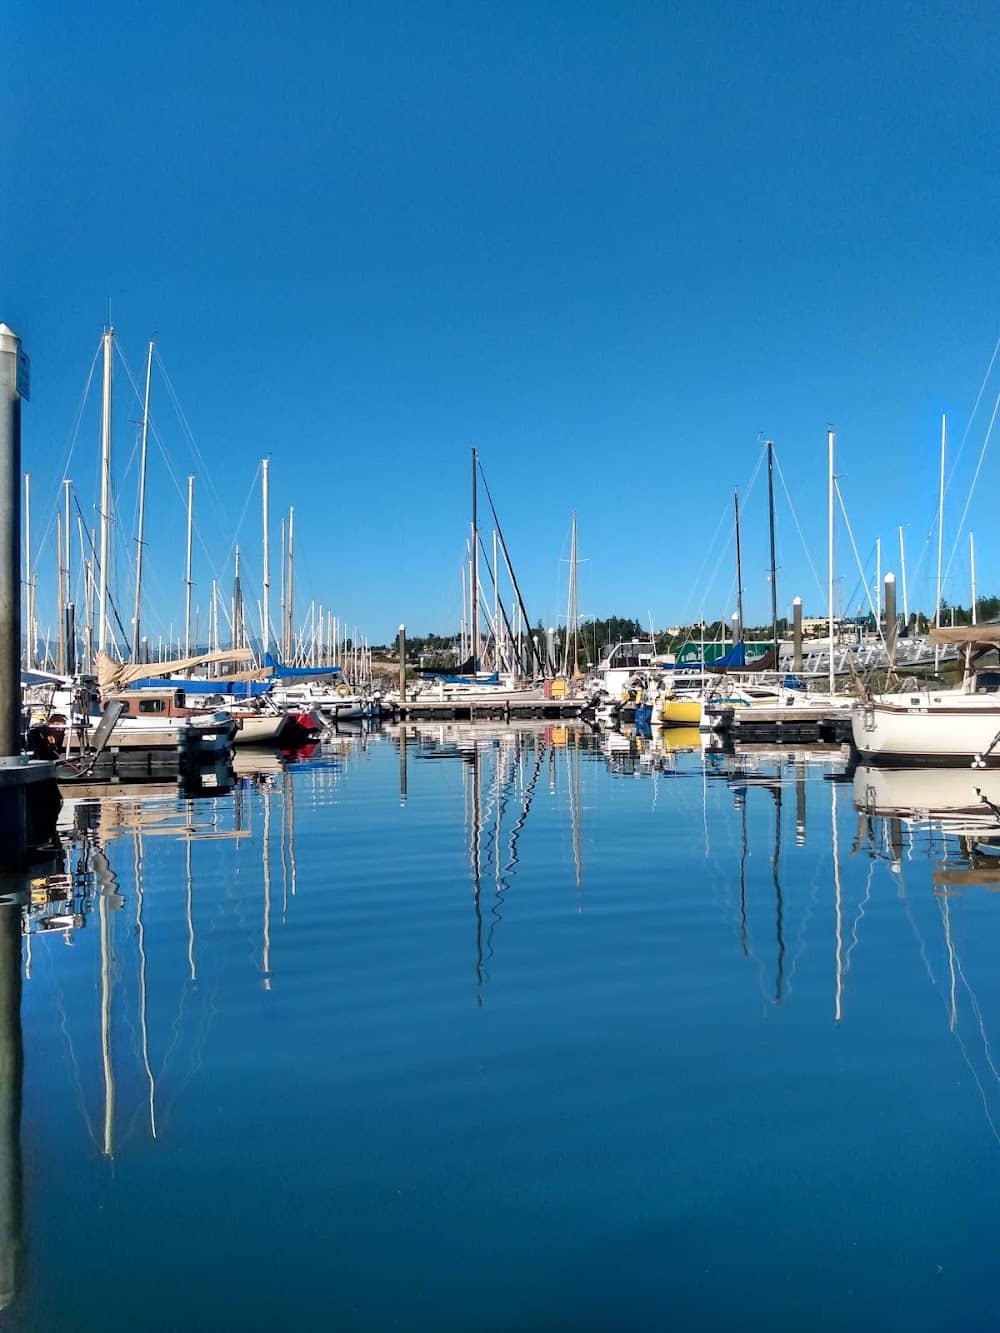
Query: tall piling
{"x": 402, "y": 665}
{"x": 10, "y": 541}
{"x": 29, "y": 797}
{"x": 891, "y": 622}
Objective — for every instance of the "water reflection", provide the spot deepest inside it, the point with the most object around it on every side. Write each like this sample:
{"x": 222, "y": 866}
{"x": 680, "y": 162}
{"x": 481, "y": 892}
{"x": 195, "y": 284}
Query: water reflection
{"x": 296, "y": 909}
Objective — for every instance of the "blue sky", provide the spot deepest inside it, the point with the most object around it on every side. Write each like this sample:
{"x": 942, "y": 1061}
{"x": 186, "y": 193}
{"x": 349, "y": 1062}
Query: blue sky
{"x": 612, "y": 246}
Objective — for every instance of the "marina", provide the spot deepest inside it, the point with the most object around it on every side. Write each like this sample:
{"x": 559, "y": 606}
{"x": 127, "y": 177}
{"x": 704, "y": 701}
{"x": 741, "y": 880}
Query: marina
{"x": 499, "y": 669}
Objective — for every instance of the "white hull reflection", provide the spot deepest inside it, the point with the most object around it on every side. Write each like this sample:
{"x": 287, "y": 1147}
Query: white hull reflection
{"x": 927, "y": 793}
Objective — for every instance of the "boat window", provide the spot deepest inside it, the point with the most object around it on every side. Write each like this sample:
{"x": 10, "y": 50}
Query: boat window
{"x": 178, "y": 698}
{"x": 150, "y": 705}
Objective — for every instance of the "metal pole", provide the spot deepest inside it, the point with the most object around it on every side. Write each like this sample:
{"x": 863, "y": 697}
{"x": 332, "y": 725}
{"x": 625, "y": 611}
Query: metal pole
{"x": 972, "y": 573}
{"x": 774, "y": 571}
{"x": 29, "y": 647}
{"x": 830, "y": 443}
{"x": 402, "y": 664}
{"x": 902, "y": 574}
{"x": 797, "y": 634}
{"x": 102, "y": 573}
{"x": 264, "y": 502}
{"x": 290, "y": 586}
{"x": 60, "y": 601}
{"x": 187, "y": 571}
{"x": 67, "y": 530}
{"x": 141, "y": 533}
{"x": 10, "y": 544}
{"x": 937, "y": 611}
{"x": 739, "y": 567}
{"x": 475, "y": 569}
{"x": 878, "y": 583}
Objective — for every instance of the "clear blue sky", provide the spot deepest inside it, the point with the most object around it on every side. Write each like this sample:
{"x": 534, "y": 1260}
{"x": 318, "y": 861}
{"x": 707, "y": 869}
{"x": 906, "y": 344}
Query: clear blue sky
{"x": 609, "y": 244}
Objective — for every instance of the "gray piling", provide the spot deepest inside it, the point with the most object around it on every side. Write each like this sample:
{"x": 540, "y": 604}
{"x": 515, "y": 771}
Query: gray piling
{"x": 29, "y": 797}
{"x": 891, "y": 622}
{"x": 10, "y": 543}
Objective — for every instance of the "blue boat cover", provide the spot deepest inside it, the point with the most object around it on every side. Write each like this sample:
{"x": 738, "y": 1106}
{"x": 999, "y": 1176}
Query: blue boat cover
{"x": 283, "y": 672}
{"x": 234, "y": 689}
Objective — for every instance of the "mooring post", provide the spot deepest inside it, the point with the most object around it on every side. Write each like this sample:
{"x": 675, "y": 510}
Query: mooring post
{"x": 797, "y": 634}
{"x": 891, "y": 623}
{"x": 29, "y": 797}
{"x": 11, "y": 387}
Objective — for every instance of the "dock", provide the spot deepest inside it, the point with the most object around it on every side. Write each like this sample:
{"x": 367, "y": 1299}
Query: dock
{"x": 508, "y": 709}
{"x": 787, "y": 726}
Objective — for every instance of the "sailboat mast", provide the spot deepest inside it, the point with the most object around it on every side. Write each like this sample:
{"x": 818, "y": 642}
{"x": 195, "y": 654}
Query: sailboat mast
{"x": 972, "y": 573}
{"x": 68, "y": 533}
{"x": 830, "y": 443}
{"x": 102, "y": 573}
{"x": 739, "y": 567}
{"x": 774, "y": 569}
{"x": 237, "y": 602}
{"x": 475, "y": 567}
{"x": 573, "y": 600}
{"x": 29, "y": 610}
{"x": 60, "y": 601}
{"x": 141, "y": 535}
{"x": 902, "y": 570}
{"x": 940, "y": 534}
{"x": 264, "y": 502}
{"x": 290, "y": 588}
{"x": 187, "y": 570}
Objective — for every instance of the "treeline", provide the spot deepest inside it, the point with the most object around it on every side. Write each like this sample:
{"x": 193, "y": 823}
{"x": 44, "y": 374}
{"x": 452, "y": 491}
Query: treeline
{"x": 594, "y": 635}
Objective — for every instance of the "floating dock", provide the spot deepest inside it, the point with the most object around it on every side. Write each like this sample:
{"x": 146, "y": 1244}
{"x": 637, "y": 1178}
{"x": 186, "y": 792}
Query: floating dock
{"x": 787, "y": 726}
{"x": 489, "y": 710}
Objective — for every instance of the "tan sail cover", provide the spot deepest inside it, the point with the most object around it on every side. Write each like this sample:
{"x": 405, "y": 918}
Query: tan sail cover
{"x": 984, "y": 634}
{"x": 112, "y": 675}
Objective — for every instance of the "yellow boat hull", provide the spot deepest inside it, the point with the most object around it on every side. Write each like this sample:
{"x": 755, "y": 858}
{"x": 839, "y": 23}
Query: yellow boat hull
{"x": 680, "y": 712}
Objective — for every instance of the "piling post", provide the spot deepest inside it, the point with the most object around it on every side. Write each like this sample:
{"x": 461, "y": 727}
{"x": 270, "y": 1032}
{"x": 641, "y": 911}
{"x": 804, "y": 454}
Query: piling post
{"x": 402, "y": 665}
{"x": 797, "y": 634}
{"x": 29, "y": 797}
{"x": 891, "y": 623}
{"x": 10, "y": 542}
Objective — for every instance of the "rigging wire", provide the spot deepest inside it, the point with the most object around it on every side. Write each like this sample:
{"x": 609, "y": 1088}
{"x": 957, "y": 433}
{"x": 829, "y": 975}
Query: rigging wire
{"x": 857, "y": 557}
{"x": 972, "y": 487}
{"x": 70, "y": 449}
{"x": 798, "y": 526}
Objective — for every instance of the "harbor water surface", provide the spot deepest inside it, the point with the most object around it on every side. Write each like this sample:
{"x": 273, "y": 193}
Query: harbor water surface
{"x": 495, "y": 1030}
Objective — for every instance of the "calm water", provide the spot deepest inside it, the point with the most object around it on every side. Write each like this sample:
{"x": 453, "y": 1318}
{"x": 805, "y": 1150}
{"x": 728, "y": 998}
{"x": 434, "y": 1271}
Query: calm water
{"x": 506, "y": 1032}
